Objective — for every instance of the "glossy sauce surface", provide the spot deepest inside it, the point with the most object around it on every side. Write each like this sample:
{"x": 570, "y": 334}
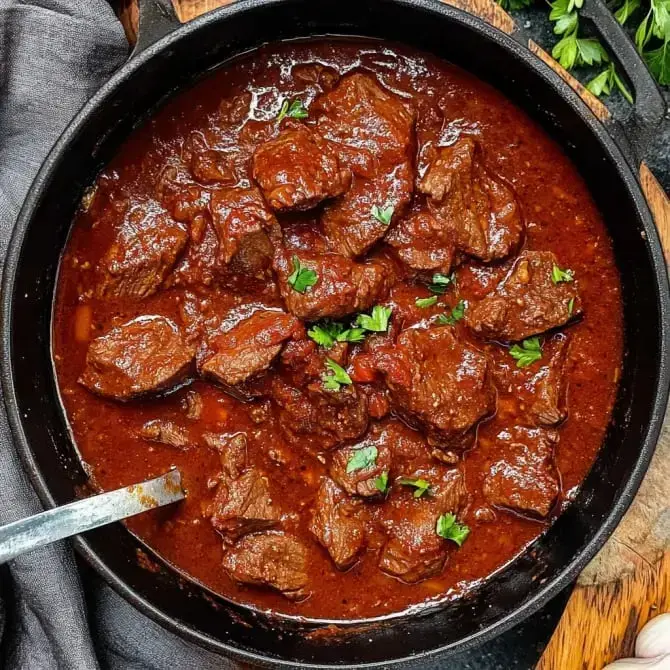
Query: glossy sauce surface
{"x": 559, "y": 216}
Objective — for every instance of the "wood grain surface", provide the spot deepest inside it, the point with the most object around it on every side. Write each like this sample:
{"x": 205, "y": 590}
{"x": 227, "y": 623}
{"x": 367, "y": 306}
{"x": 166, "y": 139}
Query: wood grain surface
{"x": 629, "y": 582}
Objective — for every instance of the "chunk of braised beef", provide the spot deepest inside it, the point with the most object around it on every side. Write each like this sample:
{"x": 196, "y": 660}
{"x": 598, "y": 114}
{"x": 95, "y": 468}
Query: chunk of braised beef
{"x": 342, "y": 286}
{"x": 145, "y": 355}
{"x": 298, "y": 170}
{"x": 232, "y": 451}
{"x": 423, "y": 242}
{"x": 527, "y": 302}
{"x": 477, "y": 205}
{"x": 274, "y": 560}
{"x": 357, "y": 468}
{"x": 146, "y": 248}
{"x": 315, "y": 74}
{"x": 524, "y": 478}
{"x": 373, "y": 131}
{"x": 241, "y": 219}
{"x": 248, "y": 348}
{"x": 165, "y": 432}
{"x": 438, "y": 384}
{"x": 338, "y": 523}
{"x": 414, "y": 551}
{"x": 354, "y": 222}
{"x": 177, "y": 191}
{"x": 208, "y": 166}
{"x": 317, "y": 418}
{"x": 244, "y": 505}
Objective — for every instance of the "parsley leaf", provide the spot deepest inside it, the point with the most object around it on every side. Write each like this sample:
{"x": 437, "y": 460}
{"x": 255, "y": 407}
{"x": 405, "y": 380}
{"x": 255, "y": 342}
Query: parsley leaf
{"x": 526, "y": 354}
{"x": 378, "y": 322}
{"x": 624, "y": 12}
{"x": 441, "y": 282}
{"x": 558, "y": 275}
{"x": 421, "y": 486}
{"x": 382, "y": 482}
{"x": 301, "y": 278}
{"x": 294, "y": 110}
{"x": 338, "y": 378}
{"x": 457, "y": 313}
{"x": 448, "y": 528}
{"x": 383, "y": 215}
{"x": 362, "y": 458}
{"x": 604, "y": 83}
{"x": 326, "y": 333}
{"x": 423, "y": 303}
{"x": 658, "y": 61}
{"x": 515, "y": 4}
{"x": 571, "y": 306}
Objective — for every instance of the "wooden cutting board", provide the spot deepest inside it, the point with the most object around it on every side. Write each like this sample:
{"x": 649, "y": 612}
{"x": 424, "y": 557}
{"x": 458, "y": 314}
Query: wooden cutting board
{"x": 628, "y": 583}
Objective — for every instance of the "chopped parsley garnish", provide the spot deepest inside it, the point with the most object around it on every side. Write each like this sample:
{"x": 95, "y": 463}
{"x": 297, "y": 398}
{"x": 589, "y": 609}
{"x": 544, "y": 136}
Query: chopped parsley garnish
{"x": 448, "y": 528}
{"x": 383, "y": 214}
{"x": 423, "y": 303}
{"x": 326, "y": 333}
{"x": 362, "y": 458}
{"x": 421, "y": 486}
{"x": 441, "y": 282}
{"x": 526, "y": 354}
{"x": 382, "y": 482}
{"x": 558, "y": 275}
{"x": 301, "y": 278}
{"x": 294, "y": 110}
{"x": 338, "y": 378}
{"x": 378, "y": 321}
{"x": 571, "y": 306}
{"x": 456, "y": 314}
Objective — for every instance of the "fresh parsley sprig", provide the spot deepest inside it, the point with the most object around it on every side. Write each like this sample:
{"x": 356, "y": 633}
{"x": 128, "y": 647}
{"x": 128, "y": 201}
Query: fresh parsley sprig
{"x": 526, "y": 354}
{"x": 294, "y": 110}
{"x": 377, "y": 321}
{"x": 383, "y": 214}
{"x": 301, "y": 278}
{"x": 420, "y": 486}
{"x": 327, "y": 333}
{"x": 362, "y": 458}
{"x": 456, "y": 314}
{"x": 448, "y": 528}
{"x": 441, "y": 282}
{"x": 337, "y": 378}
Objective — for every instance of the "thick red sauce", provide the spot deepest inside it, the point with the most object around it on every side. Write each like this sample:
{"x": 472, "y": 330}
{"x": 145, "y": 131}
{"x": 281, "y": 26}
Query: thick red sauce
{"x": 560, "y": 217}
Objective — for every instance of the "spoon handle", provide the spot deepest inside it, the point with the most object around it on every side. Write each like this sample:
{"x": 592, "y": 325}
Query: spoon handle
{"x": 77, "y": 517}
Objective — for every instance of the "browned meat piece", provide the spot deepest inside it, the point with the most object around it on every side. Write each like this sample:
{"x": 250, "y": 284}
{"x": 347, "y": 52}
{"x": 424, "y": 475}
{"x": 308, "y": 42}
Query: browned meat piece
{"x": 342, "y": 286}
{"x": 165, "y": 432}
{"x": 547, "y": 406}
{"x": 320, "y": 76}
{"x": 146, "y": 248}
{"x": 367, "y": 123}
{"x": 232, "y": 452}
{"x": 423, "y": 242}
{"x": 356, "y": 468}
{"x": 320, "y": 418}
{"x": 243, "y": 506}
{"x": 298, "y": 170}
{"x": 184, "y": 198}
{"x": 192, "y": 404}
{"x": 338, "y": 524}
{"x": 438, "y": 384}
{"x": 208, "y": 166}
{"x": 274, "y": 560}
{"x": 527, "y": 302}
{"x": 414, "y": 551}
{"x": 249, "y": 347}
{"x": 145, "y": 355}
{"x": 481, "y": 210}
{"x": 373, "y": 131}
{"x": 240, "y": 218}
{"x": 350, "y": 223}
{"x": 524, "y": 478}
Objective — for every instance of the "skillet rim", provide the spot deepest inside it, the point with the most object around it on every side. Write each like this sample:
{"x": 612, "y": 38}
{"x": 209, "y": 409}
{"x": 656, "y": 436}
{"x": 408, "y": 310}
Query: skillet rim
{"x": 629, "y": 180}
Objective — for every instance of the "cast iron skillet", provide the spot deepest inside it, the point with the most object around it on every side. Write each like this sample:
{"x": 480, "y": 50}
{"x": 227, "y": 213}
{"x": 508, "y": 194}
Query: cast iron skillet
{"x": 609, "y": 166}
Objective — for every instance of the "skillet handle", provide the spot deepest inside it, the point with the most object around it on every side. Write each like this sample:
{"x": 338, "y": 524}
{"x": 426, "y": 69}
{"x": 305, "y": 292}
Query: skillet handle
{"x": 156, "y": 19}
{"x": 649, "y": 107}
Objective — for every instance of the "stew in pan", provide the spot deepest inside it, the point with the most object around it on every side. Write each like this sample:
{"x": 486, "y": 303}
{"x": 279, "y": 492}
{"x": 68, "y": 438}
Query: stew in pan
{"x": 365, "y": 304}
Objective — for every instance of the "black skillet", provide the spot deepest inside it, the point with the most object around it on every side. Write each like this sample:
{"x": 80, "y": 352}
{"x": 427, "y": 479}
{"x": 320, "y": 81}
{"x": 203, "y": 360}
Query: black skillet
{"x": 608, "y": 157}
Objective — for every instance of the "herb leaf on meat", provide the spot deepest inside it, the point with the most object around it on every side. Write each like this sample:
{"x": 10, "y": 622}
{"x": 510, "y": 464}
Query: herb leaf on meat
{"x": 378, "y": 321}
{"x": 294, "y": 110}
{"x": 441, "y": 282}
{"x": 448, "y": 528}
{"x": 423, "y": 303}
{"x": 362, "y": 458}
{"x": 421, "y": 486}
{"x": 456, "y": 314}
{"x": 383, "y": 214}
{"x": 326, "y": 333}
{"x": 558, "y": 275}
{"x": 338, "y": 378}
{"x": 301, "y": 278}
{"x": 382, "y": 482}
{"x": 526, "y": 354}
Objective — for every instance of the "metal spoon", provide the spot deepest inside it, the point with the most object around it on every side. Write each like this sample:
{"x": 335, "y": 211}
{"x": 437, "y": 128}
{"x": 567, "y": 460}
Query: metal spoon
{"x": 36, "y": 531}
